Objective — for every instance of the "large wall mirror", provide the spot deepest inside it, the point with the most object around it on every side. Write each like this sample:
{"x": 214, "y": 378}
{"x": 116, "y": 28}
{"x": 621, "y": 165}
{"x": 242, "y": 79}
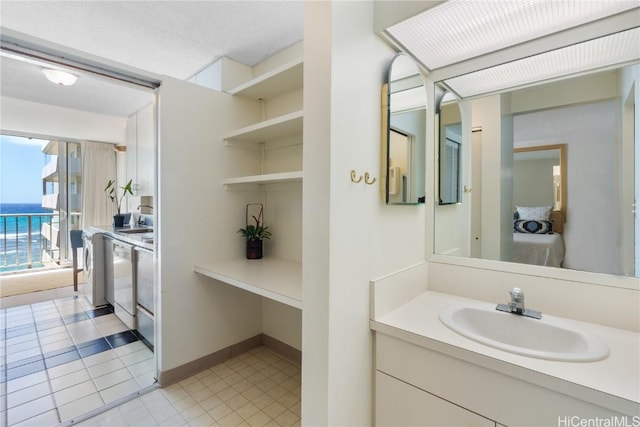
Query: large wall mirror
{"x": 563, "y": 156}
{"x": 403, "y": 133}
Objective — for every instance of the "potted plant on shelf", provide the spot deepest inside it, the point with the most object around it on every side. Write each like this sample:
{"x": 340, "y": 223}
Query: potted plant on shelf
{"x": 254, "y": 234}
{"x": 112, "y": 193}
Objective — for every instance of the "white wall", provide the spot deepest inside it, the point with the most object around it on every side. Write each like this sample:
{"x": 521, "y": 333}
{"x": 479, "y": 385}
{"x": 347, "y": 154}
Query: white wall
{"x": 31, "y": 118}
{"x": 350, "y": 235}
{"x": 197, "y": 220}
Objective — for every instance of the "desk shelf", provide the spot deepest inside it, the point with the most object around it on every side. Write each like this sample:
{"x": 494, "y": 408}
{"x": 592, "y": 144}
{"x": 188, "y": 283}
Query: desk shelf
{"x": 271, "y": 278}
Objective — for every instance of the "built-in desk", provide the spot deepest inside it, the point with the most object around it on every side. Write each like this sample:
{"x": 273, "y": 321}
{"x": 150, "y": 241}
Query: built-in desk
{"x": 271, "y": 278}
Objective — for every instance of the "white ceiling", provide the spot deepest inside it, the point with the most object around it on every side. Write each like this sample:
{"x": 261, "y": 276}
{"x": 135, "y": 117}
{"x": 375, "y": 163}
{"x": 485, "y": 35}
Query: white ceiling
{"x": 174, "y": 38}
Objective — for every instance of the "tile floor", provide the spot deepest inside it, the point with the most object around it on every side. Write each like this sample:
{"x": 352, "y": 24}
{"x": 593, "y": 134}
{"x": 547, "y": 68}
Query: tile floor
{"x": 257, "y": 388}
{"x": 62, "y": 358}
{"x": 55, "y": 366}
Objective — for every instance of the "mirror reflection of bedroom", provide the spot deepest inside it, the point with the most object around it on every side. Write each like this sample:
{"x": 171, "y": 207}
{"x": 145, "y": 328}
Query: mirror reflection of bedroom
{"x": 552, "y": 173}
{"x": 539, "y": 196}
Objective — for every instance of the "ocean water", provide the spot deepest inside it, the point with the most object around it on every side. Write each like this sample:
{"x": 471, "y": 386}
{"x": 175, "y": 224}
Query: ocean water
{"x": 14, "y": 234}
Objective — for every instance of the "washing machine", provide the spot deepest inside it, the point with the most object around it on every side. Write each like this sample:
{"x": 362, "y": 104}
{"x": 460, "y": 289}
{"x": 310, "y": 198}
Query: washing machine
{"x": 94, "y": 267}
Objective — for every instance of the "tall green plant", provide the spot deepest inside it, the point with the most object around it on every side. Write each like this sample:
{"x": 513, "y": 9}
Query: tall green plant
{"x": 112, "y": 193}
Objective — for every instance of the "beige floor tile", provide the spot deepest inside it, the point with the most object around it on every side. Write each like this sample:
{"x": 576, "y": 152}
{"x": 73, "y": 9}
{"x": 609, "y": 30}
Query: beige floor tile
{"x": 276, "y": 392}
{"x": 99, "y": 358}
{"x": 252, "y": 393}
{"x": 119, "y": 390}
{"x": 227, "y": 393}
{"x": 259, "y": 419}
{"x": 136, "y": 357}
{"x": 106, "y": 367}
{"x": 21, "y": 355}
{"x": 218, "y": 385}
{"x": 26, "y": 381}
{"x": 192, "y": 412}
{"x": 287, "y": 418}
{"x": 211, "y": 402}
{"x": 203, "y": 420}
{"x": 47, "y": 419}
{"x": 56, "y": 345}
{"x": 28, "y": 394}
{"x": 112, "y": 378}
{"x": 262, "y": 401}
{"x": 131, "y": 348}
{"x": 174, "y": 421}
{"x": 274, "y": 409}
{"x": 231, "y": 420}
{"x": 247, "y": 410}
{"x": 220, "y": 411}
{"x": 146, "y": 379}
{"x": 134, "y": 415}
{"x": 69, "y": 380}
{"x": 237, "y": 401}
{"x": 75, "y": 392}
{"x": 202, "y": 394}
{"x": 78, "y": 407}
{"x": 184, "y": 403}
{"x": 65, "y": 369}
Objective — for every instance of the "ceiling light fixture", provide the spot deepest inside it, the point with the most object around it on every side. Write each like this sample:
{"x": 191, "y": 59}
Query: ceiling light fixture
{"x": 458, "y": 30}
{"x": 59, "y": 77}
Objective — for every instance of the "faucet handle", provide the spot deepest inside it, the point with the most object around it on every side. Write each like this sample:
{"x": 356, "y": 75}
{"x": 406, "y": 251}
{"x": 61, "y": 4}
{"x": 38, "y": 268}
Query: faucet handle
{"x": 516, "y": 294}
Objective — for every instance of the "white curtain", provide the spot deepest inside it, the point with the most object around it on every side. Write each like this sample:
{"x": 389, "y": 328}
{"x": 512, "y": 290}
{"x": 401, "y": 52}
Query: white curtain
{"x": 98, "y": 167}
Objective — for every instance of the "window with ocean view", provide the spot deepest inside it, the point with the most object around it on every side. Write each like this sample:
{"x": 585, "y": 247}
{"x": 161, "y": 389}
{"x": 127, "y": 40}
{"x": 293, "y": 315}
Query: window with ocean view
{"x": 39, "y": 201}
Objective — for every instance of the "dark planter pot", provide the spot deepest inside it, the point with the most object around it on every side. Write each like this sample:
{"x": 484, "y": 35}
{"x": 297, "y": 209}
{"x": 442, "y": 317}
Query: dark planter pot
{"x": 118, "y": 220}
{"x": 254, "y": 249}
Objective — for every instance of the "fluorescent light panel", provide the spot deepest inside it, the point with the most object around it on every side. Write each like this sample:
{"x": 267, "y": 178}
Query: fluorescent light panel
{"x": 594, "y": 54}
{"x": 462, "y": 29}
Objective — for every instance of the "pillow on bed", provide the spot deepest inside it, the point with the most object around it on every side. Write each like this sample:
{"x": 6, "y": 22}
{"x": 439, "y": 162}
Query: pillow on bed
{"x": 533, "y": 227}
{"x": 534, "y": 213}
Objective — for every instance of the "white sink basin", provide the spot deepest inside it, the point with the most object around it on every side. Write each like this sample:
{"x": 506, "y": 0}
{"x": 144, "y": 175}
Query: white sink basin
{"x": 546, "y": 338}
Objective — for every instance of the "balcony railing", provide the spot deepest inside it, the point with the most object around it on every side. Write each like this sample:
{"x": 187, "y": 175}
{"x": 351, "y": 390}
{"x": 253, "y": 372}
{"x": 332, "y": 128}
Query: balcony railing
{"x": 22, "y": 244}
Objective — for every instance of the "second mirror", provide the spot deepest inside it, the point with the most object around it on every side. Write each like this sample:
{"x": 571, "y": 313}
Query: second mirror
{"x": 404, "y": 131}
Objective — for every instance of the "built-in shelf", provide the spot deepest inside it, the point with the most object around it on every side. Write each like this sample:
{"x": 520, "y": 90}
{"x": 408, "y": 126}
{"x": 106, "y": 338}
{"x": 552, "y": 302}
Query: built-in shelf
{"x": 283, "y": 79}
{"x": 278, "y": 127}
{"x": 271, "y": 278}
{"x": 271, "y": 178}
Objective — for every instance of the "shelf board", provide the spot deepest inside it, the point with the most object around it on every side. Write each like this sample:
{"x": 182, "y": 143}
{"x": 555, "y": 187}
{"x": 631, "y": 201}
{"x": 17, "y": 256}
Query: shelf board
{"x": 271, "y": 278}
{"x": 283, "y": 79}
{"x": 271, "y": 178}
{"x": 278, "y": 127}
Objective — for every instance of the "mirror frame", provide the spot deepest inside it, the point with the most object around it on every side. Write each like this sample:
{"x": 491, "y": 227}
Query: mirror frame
{"x": 442, "y": 157}
{"x": 385, "y": 132}
{"x": 559, "y": 216}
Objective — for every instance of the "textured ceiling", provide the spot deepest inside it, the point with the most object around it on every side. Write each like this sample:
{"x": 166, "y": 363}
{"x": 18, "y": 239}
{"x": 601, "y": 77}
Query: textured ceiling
{"x": 175, "y": 38}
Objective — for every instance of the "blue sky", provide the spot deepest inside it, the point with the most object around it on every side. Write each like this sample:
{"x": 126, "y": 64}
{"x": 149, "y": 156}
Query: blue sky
{"x": 21, "y": 162}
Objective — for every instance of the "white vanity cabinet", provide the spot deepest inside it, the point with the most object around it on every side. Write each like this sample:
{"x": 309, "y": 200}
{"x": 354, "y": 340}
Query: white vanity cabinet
{"x": 401, "y": 404}
{"x": 416, "y": 385}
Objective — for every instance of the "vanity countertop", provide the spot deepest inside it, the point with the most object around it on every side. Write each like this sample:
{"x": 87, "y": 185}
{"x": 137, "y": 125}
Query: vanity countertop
{"x": 116, "y": 232}
{"x": 616, "y": 377}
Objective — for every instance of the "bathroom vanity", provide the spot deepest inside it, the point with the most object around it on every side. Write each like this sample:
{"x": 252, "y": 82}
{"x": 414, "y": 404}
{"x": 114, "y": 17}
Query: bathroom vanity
{"x": 427, "y": 374}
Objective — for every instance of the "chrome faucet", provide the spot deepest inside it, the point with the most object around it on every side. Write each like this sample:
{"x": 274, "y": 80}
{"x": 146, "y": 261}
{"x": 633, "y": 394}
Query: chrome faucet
{"x": 516, "y": 305}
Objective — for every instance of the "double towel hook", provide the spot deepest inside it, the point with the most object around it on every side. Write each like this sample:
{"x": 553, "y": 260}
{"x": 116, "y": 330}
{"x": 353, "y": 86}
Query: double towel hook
{"x": 368, "y": 179}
